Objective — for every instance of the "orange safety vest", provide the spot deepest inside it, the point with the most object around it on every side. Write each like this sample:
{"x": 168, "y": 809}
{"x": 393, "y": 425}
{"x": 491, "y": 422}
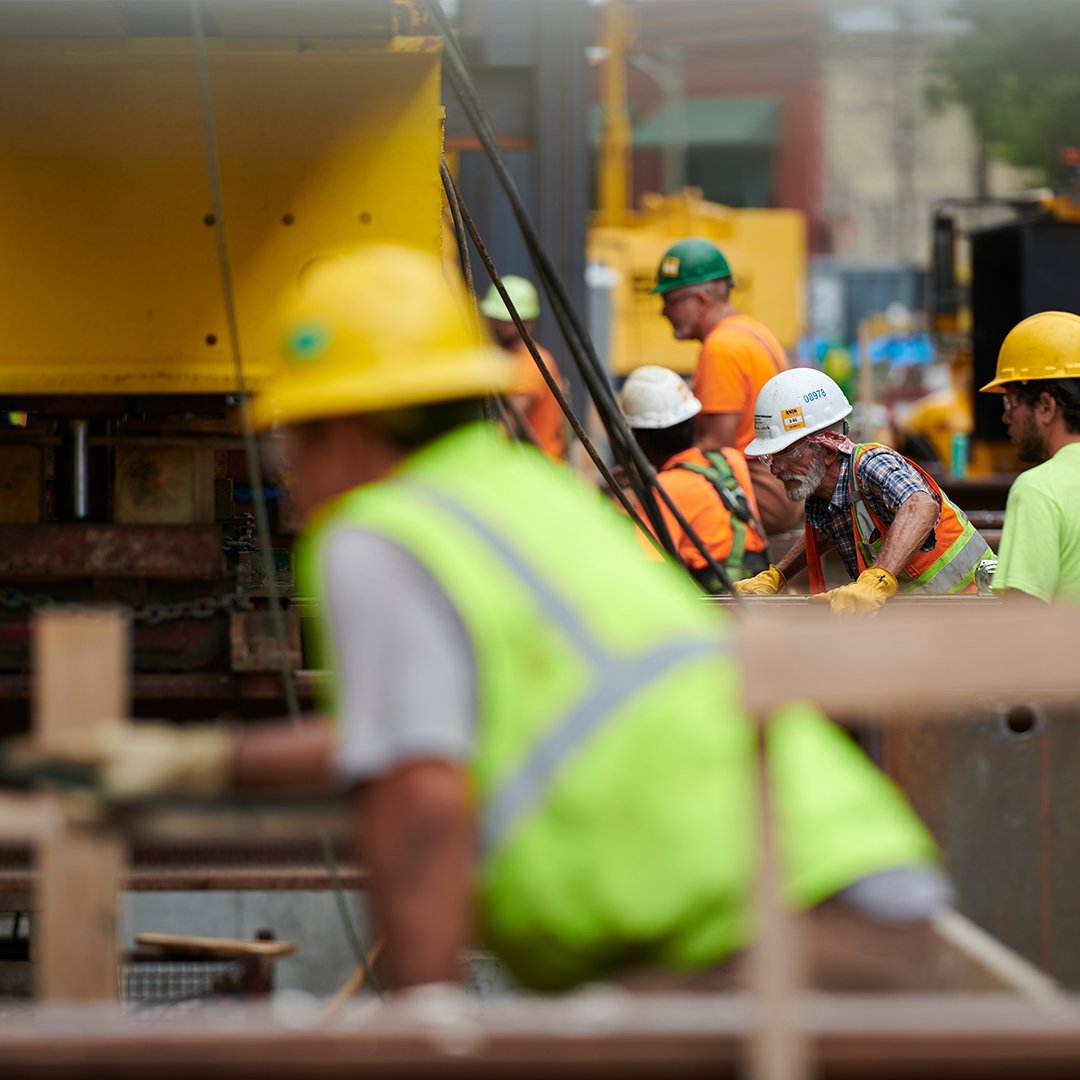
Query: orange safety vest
{"x": 543, "y": 414}
{"x": 949, "y": 567}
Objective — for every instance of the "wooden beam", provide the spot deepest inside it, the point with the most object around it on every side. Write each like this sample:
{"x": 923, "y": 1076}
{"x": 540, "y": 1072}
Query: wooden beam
{"x": 195, "y": 945}
{"x": 81, "y": 688}
{"x": 601, "y": 1034}
{"x": 917, "y": 660}
{"x": 80, "y": 674}
{"x": 74, "y": 932}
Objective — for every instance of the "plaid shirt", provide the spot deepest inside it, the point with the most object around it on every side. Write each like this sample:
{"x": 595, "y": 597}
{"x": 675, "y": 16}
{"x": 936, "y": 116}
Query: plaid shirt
{"x": 886, "y": 481}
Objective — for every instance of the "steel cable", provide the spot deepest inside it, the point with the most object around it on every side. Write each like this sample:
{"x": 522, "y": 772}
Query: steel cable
{"x": 632, "y": 457}
{"x": 251, "y": 451}
{"x": 549, "y": 379}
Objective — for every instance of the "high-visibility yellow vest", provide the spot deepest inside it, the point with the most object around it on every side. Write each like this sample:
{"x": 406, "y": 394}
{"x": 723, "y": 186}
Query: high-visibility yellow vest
{"x": 614, "y": 769}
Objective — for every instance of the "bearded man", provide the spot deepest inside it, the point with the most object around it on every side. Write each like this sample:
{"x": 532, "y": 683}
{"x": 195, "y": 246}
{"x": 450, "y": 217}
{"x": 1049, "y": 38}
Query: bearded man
{"x": 893, "y": 527}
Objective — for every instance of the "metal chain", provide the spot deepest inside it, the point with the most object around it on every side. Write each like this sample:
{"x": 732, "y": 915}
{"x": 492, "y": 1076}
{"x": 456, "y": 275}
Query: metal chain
{"x": 246, "y": 541}
{"x": 202, "y": 607}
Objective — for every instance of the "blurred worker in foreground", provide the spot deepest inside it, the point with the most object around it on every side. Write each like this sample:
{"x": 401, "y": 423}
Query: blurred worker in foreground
{"x": 712, "y": 491}
{"x": 545, "y": 739}
{"x": 531, "y": 396}
{"x": 1038, "y": 372}
{"x": 892, "y": 525}
{"x": 738, "y": 356}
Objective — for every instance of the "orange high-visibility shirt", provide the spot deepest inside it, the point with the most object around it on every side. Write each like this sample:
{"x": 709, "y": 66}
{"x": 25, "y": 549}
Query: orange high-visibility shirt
{"x": 542, "y": 412}
{"x": 699, "y": 502}
{"x": 738, "y": 357}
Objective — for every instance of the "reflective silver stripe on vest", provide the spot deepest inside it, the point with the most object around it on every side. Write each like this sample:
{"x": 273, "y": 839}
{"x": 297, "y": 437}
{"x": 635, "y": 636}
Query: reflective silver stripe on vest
{"x": 969, "y": 549}
{"x": 614, "y": 681}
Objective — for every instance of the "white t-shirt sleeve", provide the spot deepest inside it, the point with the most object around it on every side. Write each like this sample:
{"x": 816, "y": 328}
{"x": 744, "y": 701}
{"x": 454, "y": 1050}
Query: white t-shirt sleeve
{"x": 405, "y": 666}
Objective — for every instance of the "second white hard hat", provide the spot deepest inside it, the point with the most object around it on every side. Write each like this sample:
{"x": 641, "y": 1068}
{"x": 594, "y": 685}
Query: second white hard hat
{"x": 793, "y": 404}
{"x": 657, "y": 397}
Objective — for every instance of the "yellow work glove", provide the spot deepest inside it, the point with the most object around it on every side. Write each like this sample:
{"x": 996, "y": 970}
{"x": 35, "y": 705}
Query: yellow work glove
{"x": 769, "y": 582}
{"x": 864, "y": 596}
{"x": 136, "y": 761}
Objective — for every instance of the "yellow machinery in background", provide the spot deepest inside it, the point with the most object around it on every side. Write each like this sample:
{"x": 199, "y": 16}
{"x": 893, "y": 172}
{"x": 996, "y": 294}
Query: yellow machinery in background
{"x": 123, "y": 478}
{"x": 765, "y": 248}
{"x": 111, "y": 280}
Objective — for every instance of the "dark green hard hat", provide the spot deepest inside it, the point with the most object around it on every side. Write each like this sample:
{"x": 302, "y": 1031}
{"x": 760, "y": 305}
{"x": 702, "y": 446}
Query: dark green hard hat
{"x": 690, "y": 262}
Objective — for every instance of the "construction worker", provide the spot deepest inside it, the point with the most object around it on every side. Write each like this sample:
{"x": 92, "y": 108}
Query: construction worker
{"x": 545, "y": 741}
{"x": 890, "y": 522}
{"x": 532, "y": 397}
{"x": 1038, "y": 372}
{"x": 712, "y": 491}
{"x": 738, "y": 355}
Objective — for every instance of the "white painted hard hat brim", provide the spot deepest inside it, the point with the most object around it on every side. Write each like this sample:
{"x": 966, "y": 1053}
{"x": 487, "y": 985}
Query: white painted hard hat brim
{"x": 793, "y": 404}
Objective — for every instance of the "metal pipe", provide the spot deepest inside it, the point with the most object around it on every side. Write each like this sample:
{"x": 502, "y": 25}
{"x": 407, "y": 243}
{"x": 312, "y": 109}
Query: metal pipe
{"x": 80, "y": 469}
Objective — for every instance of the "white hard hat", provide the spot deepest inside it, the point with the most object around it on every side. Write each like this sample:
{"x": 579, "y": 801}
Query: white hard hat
{"x": 657, "y": 397}
{"x": 792, "y": 404}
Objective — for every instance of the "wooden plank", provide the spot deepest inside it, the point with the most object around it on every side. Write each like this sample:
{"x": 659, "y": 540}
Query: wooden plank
{"x": 778, "y": 1048}
{"x": 80, "y": 674}
{"x": 80, "y": 689}
{"x": 75, "y": 929}
{"x": 948, "y": 654}
{"x": 194, "y": 945}
{"x": 602, "y": 1034}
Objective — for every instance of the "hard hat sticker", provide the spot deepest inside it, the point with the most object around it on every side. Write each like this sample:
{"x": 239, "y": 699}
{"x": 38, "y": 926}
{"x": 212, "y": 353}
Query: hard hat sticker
{"x": 792, "y": 418}
{"x": 308, "y": 341}
{"x": 670, "y": 266}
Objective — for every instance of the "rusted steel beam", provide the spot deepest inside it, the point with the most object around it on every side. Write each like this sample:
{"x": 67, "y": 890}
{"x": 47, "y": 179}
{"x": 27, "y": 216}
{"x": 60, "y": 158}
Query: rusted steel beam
{"x": 191, "y": 687}
{"x": 62, "y": 550}
{"x": 266, "y": 878}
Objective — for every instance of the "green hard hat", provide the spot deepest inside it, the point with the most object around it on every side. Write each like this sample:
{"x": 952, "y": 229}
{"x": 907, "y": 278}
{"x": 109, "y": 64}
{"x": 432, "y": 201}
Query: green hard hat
{"x": 690, "y": 262}
{"x": 522, "y": 295}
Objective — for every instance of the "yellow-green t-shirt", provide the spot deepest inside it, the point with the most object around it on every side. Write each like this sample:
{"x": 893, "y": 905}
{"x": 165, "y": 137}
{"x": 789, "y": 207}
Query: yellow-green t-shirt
{"x": 1039, "y": 552}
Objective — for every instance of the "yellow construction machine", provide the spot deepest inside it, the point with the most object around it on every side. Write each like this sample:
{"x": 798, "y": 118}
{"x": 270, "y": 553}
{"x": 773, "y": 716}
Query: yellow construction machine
{"x": 766, "y": 248}
{"x": 168, "y": 169}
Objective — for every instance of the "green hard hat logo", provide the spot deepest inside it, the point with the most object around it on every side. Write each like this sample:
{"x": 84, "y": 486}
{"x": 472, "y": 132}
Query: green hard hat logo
{"x": 308, "y": 341}
{"x": 690, "y": 262}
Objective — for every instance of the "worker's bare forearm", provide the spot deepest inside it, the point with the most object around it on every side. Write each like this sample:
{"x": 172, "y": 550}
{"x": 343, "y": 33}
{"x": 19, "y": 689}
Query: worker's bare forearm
{"x": 793, "y": 560}
{"x": 908, "y": 532}
{"x": 290, "y": 755}
{"x": 417, "y": 839}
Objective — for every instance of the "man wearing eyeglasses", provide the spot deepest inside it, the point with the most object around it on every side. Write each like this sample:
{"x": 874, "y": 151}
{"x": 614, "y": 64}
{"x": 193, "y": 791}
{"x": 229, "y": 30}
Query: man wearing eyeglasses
{"x": 891, "y": 524}
{"x": 1038, "y": 372}
{"x": 738, "y": 356}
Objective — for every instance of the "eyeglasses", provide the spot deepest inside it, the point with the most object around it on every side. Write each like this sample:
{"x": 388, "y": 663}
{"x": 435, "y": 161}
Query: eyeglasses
{"x": 795, "y": 452}
{"x": 1011, "y": 401}
{"x": 671, "y": 301}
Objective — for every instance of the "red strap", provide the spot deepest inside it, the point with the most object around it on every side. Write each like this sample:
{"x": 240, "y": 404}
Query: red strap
{"x": 813, "y": 560}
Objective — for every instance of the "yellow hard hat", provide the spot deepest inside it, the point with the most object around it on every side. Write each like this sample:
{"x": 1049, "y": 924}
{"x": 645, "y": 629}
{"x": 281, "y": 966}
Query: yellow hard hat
{"x": 376, "y": 329}
{"x": 1043, "y": 346}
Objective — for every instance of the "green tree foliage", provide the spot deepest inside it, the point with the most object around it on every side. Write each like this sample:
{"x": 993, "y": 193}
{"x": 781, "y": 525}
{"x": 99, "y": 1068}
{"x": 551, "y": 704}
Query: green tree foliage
{"x": 1018, "y": 74}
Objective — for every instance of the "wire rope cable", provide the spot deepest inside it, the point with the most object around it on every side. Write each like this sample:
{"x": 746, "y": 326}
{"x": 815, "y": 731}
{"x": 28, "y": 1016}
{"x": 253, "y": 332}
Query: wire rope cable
{"x": 262, "y": 520}
{"x": 549, "y": 379}
{"x": 632, "y": 456}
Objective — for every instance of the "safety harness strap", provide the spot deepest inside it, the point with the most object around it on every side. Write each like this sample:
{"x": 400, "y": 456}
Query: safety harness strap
{"x": 719, "y": 473}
